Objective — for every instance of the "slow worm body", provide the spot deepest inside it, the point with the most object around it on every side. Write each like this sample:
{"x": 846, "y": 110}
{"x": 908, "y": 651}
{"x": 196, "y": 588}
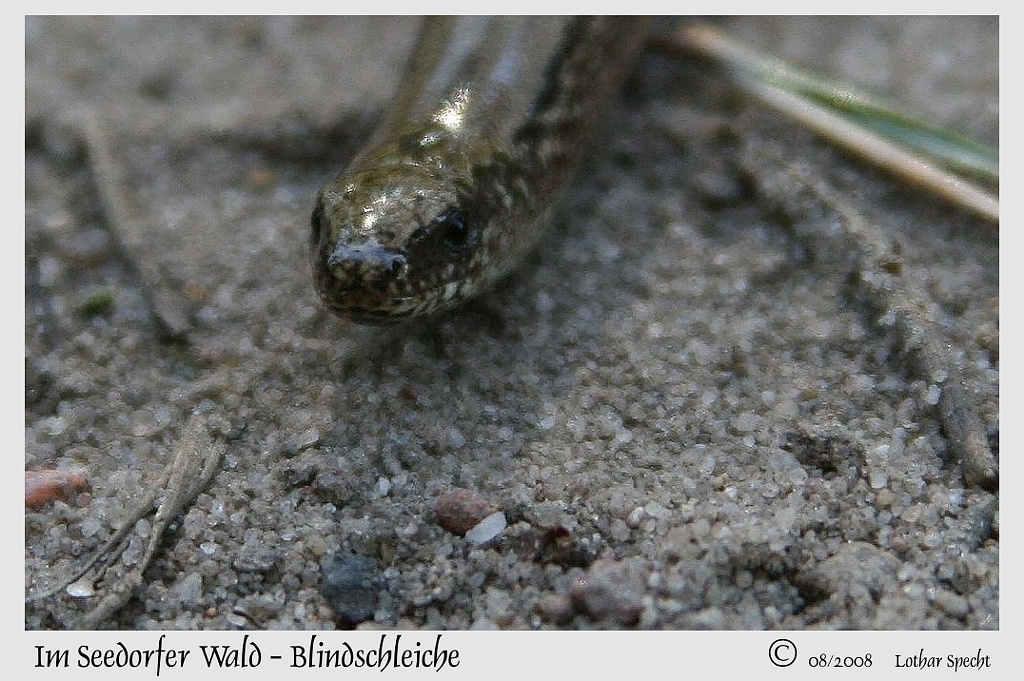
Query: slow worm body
{"x": 457, "y": 183}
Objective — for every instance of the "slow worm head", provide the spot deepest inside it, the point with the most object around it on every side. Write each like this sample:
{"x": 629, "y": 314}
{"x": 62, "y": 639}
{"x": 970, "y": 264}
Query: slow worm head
{"x": 455, "y": 186}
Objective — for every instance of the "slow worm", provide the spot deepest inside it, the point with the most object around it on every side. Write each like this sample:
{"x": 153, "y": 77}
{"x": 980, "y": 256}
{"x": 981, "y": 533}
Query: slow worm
{"x": 456, "y": 185}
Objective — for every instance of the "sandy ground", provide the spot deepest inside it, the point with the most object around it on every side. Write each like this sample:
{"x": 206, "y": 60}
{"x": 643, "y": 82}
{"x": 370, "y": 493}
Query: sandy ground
{"x": 688, "y": 410}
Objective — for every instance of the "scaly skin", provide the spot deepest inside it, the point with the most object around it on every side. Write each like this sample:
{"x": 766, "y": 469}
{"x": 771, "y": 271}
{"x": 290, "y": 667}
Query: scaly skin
{"x": 455, "y": 187}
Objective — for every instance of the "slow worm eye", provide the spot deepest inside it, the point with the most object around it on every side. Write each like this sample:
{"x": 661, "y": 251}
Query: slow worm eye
{"x": 455, "y": 230}
{"x": 316, "y": 224}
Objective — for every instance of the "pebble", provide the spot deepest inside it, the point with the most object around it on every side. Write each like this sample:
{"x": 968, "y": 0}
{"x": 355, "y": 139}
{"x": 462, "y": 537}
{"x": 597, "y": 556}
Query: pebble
{"x": 350, "y": 583}
{"x": 612, "y": 590}
{"x": 461, "y": 510}
{"x": 555, "y": 608}
{"x": 47, "y": 485}
{"x": 190, "y": 589}
{"x": 487, "y": 529}
{"x": 257, "y": 558}
{"x": 857, "y": 567}
{"x": 83, "y": 588}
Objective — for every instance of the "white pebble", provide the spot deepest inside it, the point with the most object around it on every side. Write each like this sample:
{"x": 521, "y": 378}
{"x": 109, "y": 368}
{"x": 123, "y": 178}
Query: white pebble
{"x": 83, "y": 588}
{"x": 487, "y": 529}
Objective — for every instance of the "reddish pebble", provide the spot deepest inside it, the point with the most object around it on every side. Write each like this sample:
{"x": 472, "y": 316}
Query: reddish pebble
{"x": 47, "y": 485}
{"x": 461, "y": 510}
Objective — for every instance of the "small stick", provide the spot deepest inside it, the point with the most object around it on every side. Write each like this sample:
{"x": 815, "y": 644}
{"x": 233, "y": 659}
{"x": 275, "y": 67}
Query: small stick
{"x": 878, "y": 267}
{"x": 757, "y": 74}
{"x": 168, "y": 304}
{"x": 196, "y": 462}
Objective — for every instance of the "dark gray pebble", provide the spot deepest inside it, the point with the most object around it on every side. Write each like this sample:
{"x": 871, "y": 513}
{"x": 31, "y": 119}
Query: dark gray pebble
{"x": 350, "y": 583}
